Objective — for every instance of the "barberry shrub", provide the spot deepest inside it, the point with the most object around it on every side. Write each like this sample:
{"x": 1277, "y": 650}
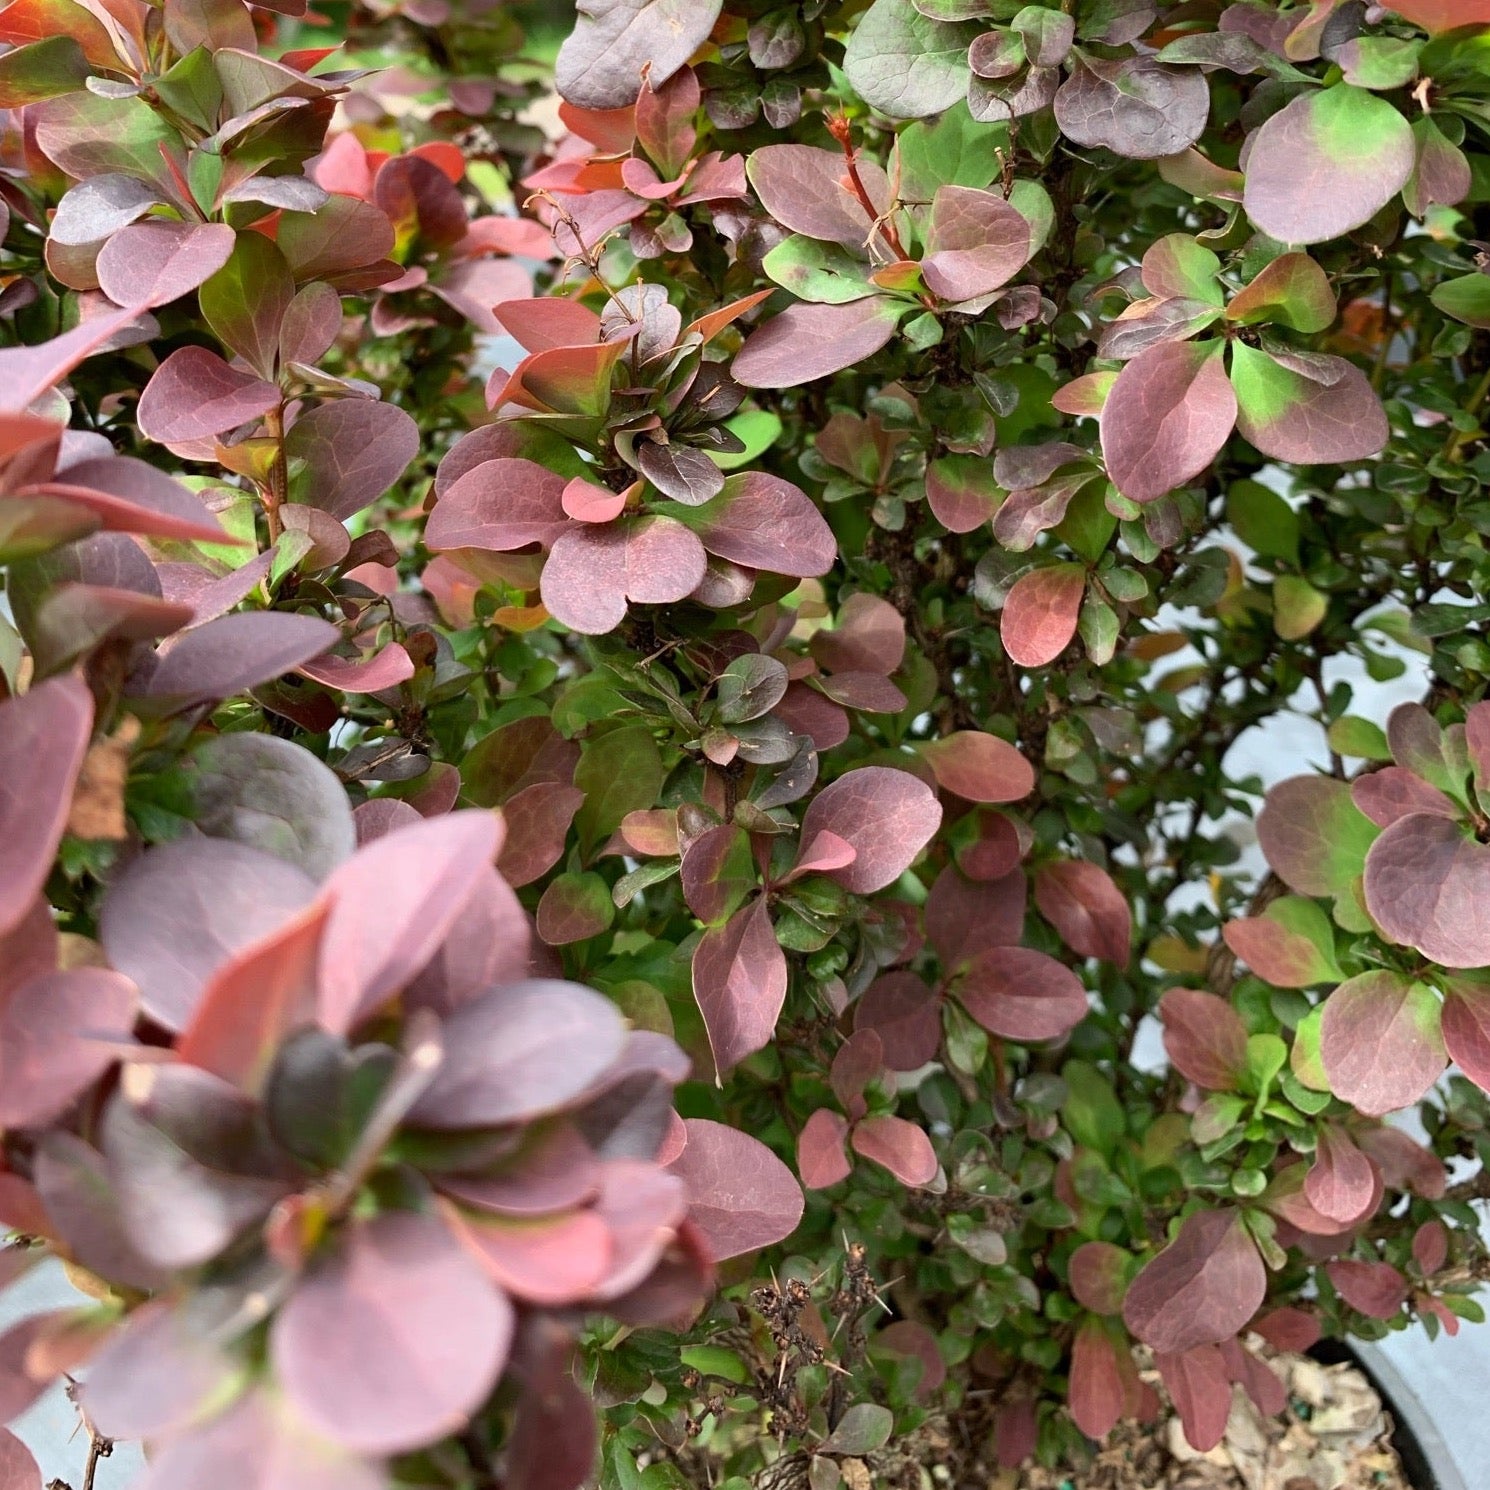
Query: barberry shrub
{"x": 623, "y": 639}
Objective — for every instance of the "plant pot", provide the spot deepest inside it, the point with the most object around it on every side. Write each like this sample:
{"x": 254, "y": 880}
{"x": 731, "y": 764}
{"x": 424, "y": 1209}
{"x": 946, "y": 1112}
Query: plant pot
{"x": 1425, "y": 1455}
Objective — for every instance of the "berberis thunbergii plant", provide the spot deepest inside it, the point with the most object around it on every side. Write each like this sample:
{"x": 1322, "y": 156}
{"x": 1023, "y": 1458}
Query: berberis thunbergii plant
{"x": 623, "y": 635}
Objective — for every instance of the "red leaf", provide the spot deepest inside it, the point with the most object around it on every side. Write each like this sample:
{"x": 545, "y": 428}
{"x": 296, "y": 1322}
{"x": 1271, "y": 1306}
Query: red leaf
{"x": 1166, "y": 418}
{"x": 1425, "y": 882}
{"x": 858, "y": 1061}
{"x": 1375, "y": 1288}
{"x": 397, "y": 1299}
{"x": 975, "y": 243}
{"x": 545, "y": 1260}
{"x": 1341, "y": 1183}
{"x": 887, "y": 816}
{"x": 740, "y": 1195}
{"x": 1081, "y": 901}
{"x": 1040, "y": 613}
{"x": 902, "y": 1147}
{"x": 594, "y": 569}
{"x": 1202, "y": 1288}
{"x": 868, "y": 637}
{"x": 1287, "y": 1329}
{"x": 1021, "y": 994}
{"x": 1381, "y": 1042}
{"x": 500, "y": 505}
{"x": 1096, "y": 1390}
{"x": 979, "y": 767}
{"x": 821, "y": 1159}
{"x": 1204, "y": 1038}
{"x": 1430, "y": 1246}
{"x": 44, "y": 735}
{"x": 739, "y": 980}
{"x": 964, "y": 916}
{"x": 1201, "y": 1392}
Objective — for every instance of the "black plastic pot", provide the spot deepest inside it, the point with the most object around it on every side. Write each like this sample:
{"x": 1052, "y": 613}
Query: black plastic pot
{"x": 1425, "y": 1455}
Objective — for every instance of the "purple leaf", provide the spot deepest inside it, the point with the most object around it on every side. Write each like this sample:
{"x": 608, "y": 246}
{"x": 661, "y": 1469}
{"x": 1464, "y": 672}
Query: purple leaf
{"x": 906, "y": 1014}
{"x": 1394, "y": 792}
{"x": 18, "y": 1469}
{"x": 593, "y": 569}
{"x": 1166, "y": 418}
{"x": 600, "y": 64}
{"x": 1425, "y": 885}
{"x": 1201, "y": 1289}
{"x": 1375, "y": 1288}
{"x": 813, "y": 341}
{"x": 353, "y": 450}
{"x": 900, "y": 1146}
{"x": 179, "y": 911}
{"x": 1081, "y": 901}
{"x": 975, "y": 243}
{"x": 1314, "y": 836}
{"x": 44, "y": 736}
{"x": 195, "y": 395}
{"x": 153, "y": 263}
{"x": 1204, "y": 1038}
{"x": 1096, "y": 1391}
{"x": 28, "y": 372}
{"x": 1325, "y": 163}
{"x": 548, "y": 1260}
{"x": 501, "y": 504}
{"x": 1381, "y": 1042}
{"x": 739, "y": 980}
{"x": 393, "y": 902}
{"x": 963, "y": 916}
{"x": 806, "y": 189}
{"x": 740, "y": 1195}
{"x": 1466, "y": 1027}
{"x": 554, "y": 1170}
{"x": 887, "y": 816}
{"x": 393, "y": 1338}
{"x": 59, "y": 1033}
{"x": 256, "y": 1444}
{"x": 234, "y": 653}
{"x": 1341, "y": 1183}
{"x": 1020, "y": 994}
{"x": 763, "y": 522}
{"x": 1306, "y": 420}
{"x": 519, "y": 1052}
{"x": 128, "y": 496}
{"x": 1200, "y": 1389}
{"x": 1134, "y": 106}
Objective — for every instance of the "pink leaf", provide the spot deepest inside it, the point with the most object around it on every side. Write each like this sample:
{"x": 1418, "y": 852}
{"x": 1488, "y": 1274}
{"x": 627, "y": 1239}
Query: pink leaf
{"x": 763, "y": 522}
{"x": 1021, "y": 994}
{"x": 979, "y": 767}
{"x": 975, "y": 243}
{"x": 195, "y": 395}
{"x": 1375, "y": 1288}
{"x": 18, "y": 1470}
{"x": 808, "y": 341}
{"x": 1081, "y": 901}
{"x": 594, "y": 569}
{"x": 1393, "y": 792}
{"x": 901, "y": 1146}
{"x": 501, "y": 505}
{"x": 1341, "y": 1183}
{"x": 821, "y": 1160}
{"x": 1202, "y": 1288}
{"x": 545, "y": 1260}
{"x": 887, "y": 816}
{"x": 1040, "y": 613}
{"x": 1381, "y": 1042}
{"x": 1095, "y": 1390}
{"x": 1166, "y": 418}
{"x": 739, "y": 980}
{"x": 740, "y": 1195}
{"x": 1198, "y": 1386}
{"x": 1466, "y": 1027}
{"x": 1425, "y": 882}
{"x": 1204, "y": 1037}
{"x": 806, "y": 189}
{"x": 44, "y": 736}
{"x": 396, "y": 1300}
{"x": 152, "y": 263}
{"x": 868, "y": 637}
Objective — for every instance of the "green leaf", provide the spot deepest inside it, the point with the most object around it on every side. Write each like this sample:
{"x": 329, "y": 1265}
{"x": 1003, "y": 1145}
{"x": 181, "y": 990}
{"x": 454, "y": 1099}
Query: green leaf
{"x": 1263, "y": 521}
{"x": 245, "y": 301}
{"x": 1099, "y": 629}
{"x": 951, "y": 150}
{"x": 825, "y": 273}
{"x": 714, "y": 1360}
{"x": 40, "y": 71}
{"x": 192, "y": 88}
{"x": 1305, "y": 1060}
{"x": 1361, "y": 738}
{"x": 620, "y": 771}
{"x": 864, "y": 1428}
{"x": 905, "y": 64}
{"x": 1380, "y": 62}
{"x": 1466, "y": 299}
{"x": 1092, "y": 1113}
{"x": 1297, "y": 607}
{"x": 1088, "y": 526}
{"x": 757, "y": 429}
